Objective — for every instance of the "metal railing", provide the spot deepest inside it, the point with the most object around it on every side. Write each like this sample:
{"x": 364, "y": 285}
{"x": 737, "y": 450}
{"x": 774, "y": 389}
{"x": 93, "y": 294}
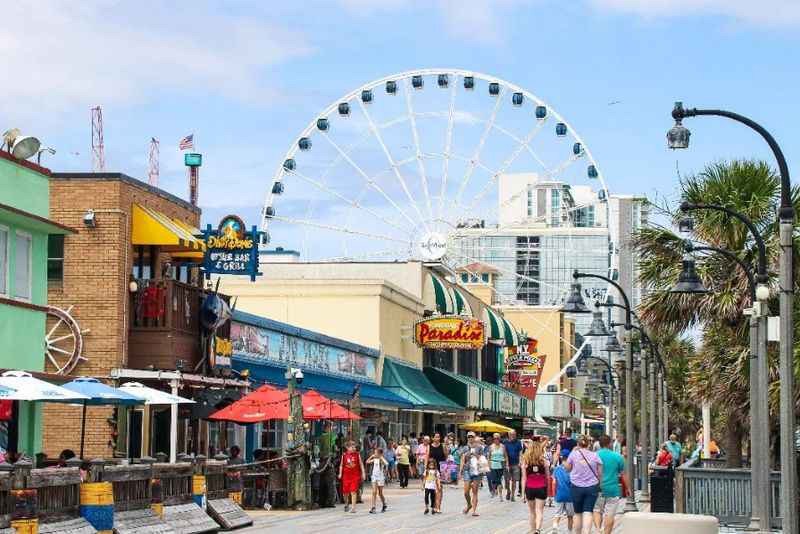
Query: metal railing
{"x": 706, "y": 487}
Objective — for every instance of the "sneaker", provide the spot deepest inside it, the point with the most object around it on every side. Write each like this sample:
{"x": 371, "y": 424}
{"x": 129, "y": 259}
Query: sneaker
{"x": 353, "y": 511}
{"x": 383, "y": 509}
{"x": 346, "y": 507}
{"x": 372, "y": 510}
{"x": 427, "y": 510}
{"x": 508, "y": 496}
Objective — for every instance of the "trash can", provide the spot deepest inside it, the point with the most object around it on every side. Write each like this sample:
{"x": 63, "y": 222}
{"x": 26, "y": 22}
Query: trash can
{"x": 662, "y": 490}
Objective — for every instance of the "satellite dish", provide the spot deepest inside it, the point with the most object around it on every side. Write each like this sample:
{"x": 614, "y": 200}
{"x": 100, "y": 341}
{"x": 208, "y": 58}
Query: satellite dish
{"x": 25, "y": 147}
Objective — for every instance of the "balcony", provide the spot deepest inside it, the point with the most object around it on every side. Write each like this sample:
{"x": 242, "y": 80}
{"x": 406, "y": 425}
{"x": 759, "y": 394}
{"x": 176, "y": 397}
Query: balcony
{"x": 164, "y": 325}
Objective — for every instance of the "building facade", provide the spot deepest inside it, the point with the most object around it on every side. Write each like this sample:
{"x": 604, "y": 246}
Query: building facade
{"x": 27, "y": 238}
{"x": 130, "y": 277}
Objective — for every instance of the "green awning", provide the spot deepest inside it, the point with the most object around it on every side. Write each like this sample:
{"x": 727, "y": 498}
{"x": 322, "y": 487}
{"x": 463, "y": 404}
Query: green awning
{"x": 495, "y": 324}
{"x": 510, "y": 334}
{"x": 412, "y": 384}
{"x": 462, "y": 306}
{"x": 442, "y": 298}
{"x": 478, "y": 395}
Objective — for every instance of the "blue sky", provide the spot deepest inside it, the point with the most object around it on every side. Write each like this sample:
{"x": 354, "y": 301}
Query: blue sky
{"x": 247, "y": 77}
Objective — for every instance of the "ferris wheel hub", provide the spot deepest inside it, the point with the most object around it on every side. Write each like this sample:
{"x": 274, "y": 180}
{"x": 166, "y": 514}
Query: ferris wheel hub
{"x": 432, "y": 246}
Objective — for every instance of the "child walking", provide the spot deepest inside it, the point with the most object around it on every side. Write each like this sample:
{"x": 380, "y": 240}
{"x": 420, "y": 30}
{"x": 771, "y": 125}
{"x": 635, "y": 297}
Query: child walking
{"x": 378, "y": 467}
{"x": 432, "y": 485}
{"x": 563, "y": 497}
{"x": 352, "y": 474}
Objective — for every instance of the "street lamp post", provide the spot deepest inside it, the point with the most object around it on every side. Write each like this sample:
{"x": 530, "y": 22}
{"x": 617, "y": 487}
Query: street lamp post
{"x": 678, "y": 137}
{"x": 630, "y": 503}
{"x": 759, "y": 367}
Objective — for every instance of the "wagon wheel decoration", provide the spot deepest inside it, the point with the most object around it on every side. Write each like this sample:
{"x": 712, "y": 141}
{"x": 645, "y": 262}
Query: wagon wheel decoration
{"x": 63, "y": 343}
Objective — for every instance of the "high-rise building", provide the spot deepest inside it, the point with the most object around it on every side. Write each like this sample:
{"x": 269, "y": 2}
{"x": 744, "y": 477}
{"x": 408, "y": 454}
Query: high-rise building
{"x": 627, "y": 214}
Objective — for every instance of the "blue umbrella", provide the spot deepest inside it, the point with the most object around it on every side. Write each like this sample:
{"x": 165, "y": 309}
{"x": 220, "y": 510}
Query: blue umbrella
{"x": 98, "y": 394}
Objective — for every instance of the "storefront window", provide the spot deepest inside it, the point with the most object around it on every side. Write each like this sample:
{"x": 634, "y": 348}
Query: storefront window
{"x": 272, "y": 433}
{"x": 441, "y": 359}
{"x": 468, "y": 363}
{"x": 489, "y": 364}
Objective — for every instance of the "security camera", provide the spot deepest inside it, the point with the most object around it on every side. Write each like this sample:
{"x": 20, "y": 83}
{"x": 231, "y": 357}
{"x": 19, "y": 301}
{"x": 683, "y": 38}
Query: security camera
{"x": 295, "y": 373}
{"x": 89, "y": 219}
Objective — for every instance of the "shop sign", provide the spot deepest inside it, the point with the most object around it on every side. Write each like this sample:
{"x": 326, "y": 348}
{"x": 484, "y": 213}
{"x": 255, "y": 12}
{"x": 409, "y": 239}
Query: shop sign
{"x": 259, "y": 344}
{"x": 458, "y": 418}
{"x": 230, "y": 249}
{"x": 507, "y": 404}
{"x": 524, "y": 370}
{"x": 450, "y": 332}
{"x": 221, "y": 352}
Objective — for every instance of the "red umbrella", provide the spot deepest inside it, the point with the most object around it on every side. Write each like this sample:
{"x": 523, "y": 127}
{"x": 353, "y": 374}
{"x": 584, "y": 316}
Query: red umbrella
{"x": 316, "y": 406}
{"x": 267, "y": 403}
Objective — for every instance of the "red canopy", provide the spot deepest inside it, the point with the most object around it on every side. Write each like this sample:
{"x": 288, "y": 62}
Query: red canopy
{"x": 267, "y": 403}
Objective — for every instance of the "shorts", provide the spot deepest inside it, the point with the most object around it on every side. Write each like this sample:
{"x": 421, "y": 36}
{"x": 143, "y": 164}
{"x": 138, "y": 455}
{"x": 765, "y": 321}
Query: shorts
{"x": 607, "y": 505}
{"x": 515, "y": 473}
{"x": 392, "y": 463}
{"x": 583, "y": 498}
{"x": 536, "y": 493}
{"x": 469, "y": 478}
{"x": 378, "y": 482}
{"x": 565, "y": 509}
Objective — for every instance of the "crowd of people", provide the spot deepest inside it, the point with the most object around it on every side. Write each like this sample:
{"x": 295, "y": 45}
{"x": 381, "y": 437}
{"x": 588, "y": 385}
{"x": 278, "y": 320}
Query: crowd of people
{"x": 582, "y": 477}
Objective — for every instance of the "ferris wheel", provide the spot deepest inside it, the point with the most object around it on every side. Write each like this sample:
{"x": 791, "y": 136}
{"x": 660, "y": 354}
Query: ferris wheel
{"x": 420, "y": 164}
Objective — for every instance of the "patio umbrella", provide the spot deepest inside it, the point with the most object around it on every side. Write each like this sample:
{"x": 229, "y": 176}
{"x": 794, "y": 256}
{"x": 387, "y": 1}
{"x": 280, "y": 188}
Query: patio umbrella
{"x": 98, "y": 394}
{"x": 151, "y": 395}
{"x": 22, "y": 386}
{"x": 486, "y": 426}
{"x": 268, "y": 403}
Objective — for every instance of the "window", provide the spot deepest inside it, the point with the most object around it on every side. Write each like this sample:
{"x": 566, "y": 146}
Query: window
{"x": 22, "y": 267}
{"x": 555, "y": 207}
{"x": 272, "y": 433}
{"x": 485, "y": 278}
{"x": 464, "y": 278}
{"x": 3, "y": 260}
{"x": 55, "y": 258}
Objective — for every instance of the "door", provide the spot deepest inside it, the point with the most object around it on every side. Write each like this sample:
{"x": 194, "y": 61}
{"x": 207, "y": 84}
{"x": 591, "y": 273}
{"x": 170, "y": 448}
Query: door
{"x": 135, "y": 433}
{"x": 160, "y": 434}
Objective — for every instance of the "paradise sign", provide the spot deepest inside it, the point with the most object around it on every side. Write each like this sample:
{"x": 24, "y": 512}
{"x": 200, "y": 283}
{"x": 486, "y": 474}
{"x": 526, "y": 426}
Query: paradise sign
{"x": 450, "y": 332}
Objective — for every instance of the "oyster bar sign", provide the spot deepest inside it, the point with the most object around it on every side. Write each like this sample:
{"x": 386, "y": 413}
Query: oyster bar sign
{"x": 449, "y": 332}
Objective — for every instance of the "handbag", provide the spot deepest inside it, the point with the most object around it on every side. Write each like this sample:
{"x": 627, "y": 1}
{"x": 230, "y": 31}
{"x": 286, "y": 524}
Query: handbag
{"x": 483, "y": 465}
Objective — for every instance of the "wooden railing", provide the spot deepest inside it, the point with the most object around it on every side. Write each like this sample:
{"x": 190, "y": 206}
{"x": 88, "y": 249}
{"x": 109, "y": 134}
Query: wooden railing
{"x": 166, "y": 305}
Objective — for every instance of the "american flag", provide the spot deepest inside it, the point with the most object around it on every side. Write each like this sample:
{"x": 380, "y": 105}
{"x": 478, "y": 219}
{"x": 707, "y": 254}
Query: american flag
{"x": 187, "y": 143}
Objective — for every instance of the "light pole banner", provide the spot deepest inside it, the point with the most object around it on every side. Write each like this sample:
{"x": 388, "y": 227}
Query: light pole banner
{"x": 524, "y": 369}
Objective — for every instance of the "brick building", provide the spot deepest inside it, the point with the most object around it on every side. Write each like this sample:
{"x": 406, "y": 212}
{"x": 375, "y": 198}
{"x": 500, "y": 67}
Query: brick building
{"x": 131, "y": 276}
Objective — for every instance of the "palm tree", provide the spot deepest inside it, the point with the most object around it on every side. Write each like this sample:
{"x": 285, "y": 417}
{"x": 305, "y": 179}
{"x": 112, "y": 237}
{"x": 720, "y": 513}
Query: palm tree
{"x": 719, "y": 370}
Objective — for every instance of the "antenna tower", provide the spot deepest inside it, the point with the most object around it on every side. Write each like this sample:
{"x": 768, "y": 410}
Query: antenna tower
{"x": 153, "y": 167}
{"x": 98, "y": 150}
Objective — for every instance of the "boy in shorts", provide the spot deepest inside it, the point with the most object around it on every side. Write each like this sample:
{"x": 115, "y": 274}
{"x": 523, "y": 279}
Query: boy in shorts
{"x": 563, "y": 495}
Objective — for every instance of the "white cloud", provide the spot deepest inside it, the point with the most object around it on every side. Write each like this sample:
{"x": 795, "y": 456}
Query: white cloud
{"x": 59, "y": 55}
{"x": 771, "y": 13}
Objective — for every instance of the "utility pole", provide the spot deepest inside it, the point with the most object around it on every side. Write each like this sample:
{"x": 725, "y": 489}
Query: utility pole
{"x": 153, "y": 163}
{"x": 98, "y": 147}
{"x": 643, "y": 437}
{"x": 299, "y": 494}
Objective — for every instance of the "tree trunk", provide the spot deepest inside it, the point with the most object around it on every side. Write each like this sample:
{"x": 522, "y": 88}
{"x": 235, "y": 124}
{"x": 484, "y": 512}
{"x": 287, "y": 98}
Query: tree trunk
{"x": 734, "y": 434}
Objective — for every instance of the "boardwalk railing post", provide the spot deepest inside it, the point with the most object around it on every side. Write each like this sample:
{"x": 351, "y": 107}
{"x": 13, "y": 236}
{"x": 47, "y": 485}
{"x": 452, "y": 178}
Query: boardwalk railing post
{"x": 97, "y": 499}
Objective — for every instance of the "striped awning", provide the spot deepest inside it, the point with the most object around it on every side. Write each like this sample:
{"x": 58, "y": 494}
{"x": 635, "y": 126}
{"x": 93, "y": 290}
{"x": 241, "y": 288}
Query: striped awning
{"x": 510, "y": 334}
{"x": 151, "y": 227}
{"x": 495, "y": 323}
{"x": 461, "y": 303}
{"x": 437, "y": 294}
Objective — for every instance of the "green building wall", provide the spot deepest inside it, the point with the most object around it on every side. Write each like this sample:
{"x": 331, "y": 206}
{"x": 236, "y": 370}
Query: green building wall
{"x": 22, "y": 330}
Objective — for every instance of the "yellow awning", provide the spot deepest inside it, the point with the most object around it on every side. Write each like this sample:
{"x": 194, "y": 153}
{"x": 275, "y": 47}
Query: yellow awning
{"x": 151, "y": 227}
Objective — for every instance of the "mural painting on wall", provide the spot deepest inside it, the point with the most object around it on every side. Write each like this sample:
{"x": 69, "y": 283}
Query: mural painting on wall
{"x": 257, "y": 343}
{"x": 524, "y": 367}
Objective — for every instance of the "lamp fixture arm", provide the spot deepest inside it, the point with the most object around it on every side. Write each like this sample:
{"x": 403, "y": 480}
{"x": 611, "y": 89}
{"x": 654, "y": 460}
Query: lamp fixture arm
{"x": 576, "y": 275}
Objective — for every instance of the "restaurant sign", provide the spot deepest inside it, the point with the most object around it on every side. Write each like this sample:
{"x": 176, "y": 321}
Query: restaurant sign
{"x": 258, "y": 344}
{"x": 449, "y": 332}
{"x": 524, "y": 369}
{"x": 230, "y": 249}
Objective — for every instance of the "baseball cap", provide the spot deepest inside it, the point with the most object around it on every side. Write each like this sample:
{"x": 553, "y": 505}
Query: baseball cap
{"x": 470, "y": 434}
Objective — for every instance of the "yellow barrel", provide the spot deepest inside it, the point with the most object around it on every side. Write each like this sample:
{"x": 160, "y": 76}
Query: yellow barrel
{"x": 198, "y": 484}
{"x": 26, "y": 526}
{"x": 158, "y": 508}
{"x": 236, "y": 496}
{"x": 97, "y": 493}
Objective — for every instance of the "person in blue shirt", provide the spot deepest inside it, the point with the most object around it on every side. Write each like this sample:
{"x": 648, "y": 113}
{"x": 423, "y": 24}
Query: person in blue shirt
{"x": 513, "y": 448}
{"x": 607, "y": 505}
{"x": 563, "y": 495}
{"x": 675, "y": 449}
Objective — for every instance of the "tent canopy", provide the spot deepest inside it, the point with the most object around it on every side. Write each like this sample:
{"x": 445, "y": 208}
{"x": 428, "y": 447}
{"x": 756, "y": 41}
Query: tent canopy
{"x": 487, "y": 426}
{"x": 25, "y": 387}
{"x": 100, "y": 394}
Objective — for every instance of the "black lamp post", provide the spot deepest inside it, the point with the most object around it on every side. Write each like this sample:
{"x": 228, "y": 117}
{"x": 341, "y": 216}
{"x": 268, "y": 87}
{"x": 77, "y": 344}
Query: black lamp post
{"x": 630, "y": 503}
{"x": 575, "y": 302}
{"x": 678, "y": 137}
{"x": 598, "y": 328}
